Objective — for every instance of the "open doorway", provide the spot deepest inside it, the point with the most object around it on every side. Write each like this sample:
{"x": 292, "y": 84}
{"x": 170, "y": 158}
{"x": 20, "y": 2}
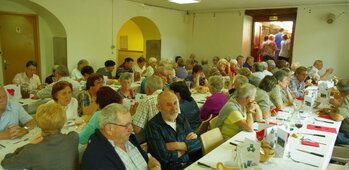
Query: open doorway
{"x": 262, "y": 30}
{"x": 139, "y": 36}
{"x": 269, "y": 21}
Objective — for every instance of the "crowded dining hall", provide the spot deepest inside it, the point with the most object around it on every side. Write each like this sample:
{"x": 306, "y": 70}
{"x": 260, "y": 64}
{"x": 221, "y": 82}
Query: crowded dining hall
{"x": 176, "y": 84}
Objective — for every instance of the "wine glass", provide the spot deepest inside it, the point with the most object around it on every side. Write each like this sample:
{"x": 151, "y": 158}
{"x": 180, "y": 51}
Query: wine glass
{"x": 297, "y": 104}
{"x": 297, "y": 120}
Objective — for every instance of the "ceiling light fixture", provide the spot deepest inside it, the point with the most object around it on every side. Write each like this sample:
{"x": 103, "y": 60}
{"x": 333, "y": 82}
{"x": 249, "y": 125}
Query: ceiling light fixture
{"x": 185, "y": 1}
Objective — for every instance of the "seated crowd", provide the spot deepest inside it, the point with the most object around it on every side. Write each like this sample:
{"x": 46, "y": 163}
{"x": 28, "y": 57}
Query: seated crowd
{"x": 165, "y": 122}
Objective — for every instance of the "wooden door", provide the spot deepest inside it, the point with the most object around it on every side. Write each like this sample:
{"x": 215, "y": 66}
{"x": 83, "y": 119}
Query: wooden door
{"x": 153, "y": 49}
{"x": 19, "y": 43}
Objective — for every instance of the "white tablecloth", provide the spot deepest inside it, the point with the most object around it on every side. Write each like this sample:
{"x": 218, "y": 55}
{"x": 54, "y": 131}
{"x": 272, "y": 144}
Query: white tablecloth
{"x": 225, "y": 151}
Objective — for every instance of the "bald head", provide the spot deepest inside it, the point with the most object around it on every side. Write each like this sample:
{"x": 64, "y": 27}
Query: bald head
{"x": 168, "y": 106}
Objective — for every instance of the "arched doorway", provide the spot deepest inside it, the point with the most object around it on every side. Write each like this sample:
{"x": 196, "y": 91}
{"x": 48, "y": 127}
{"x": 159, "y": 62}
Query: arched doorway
{"x": 138, "y": 36}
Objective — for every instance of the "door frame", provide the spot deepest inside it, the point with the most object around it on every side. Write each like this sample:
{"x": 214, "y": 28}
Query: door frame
{"x": 285, "y": 14}
{"x": 36, "y": 42}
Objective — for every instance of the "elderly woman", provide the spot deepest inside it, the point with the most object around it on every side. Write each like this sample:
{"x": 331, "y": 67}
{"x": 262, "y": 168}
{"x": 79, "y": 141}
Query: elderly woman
{"x": 62, "y": 95}
{"x": 239, "y": 112}
{"x": 125, "y": 81}
{"x": 224, "y": 67}
{"x": 233, "y": 67}
{"x": 187, "y": 104}
{"x": 198, "y": 77}
{"x": 87, "y": 98}
{"x": 268, "y": 48}
{"x": 28, "y": 78}
{"x": 105, "y": 96}
{"x": 262, "y": 96}
{"x": 152, "y": 62}
{"x": 216, "y": 101}
{"x": 181, "y": 72}
{"x": 76, "y": 73}
{"x": 244, "y": 71}
{"x": 280, "y": 95}
{"x": 60, "y": 150}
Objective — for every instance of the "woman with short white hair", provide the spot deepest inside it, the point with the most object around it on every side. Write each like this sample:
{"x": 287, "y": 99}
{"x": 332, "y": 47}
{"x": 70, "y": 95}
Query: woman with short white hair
{"x": 152, "y": 62}
{"x": 216, "y": 101}
{"x": 125, "y": 90}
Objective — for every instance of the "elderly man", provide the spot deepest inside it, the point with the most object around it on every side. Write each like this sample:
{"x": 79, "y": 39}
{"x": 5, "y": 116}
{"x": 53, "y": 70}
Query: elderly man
{"x": 257, "y": 73}
{"x": 125, "y": 67}
{"x": 170, "y": 138}
{"x": 249, "y": 62}
{"x": 163, "y": 72}
{"x": 14, "y": 120}
{"x": 297, "y": 85}
{"x": 237, "y": 114}
{"x": 146, "y": 108}
{"x": 112, "y": 146}
{"x": 29, "y": 78}
{"x": 341, "y": 111}
{"x": 62, "y": 74}
{"x": 108, "y": 68}
{"x": 315, "y": 69}
{"x": 241, "y": 60}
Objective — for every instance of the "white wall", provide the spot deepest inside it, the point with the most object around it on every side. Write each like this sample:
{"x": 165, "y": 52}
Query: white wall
{"x": 89, "y": 29}
{"x": 315, "y": 39}
{"x": 216, "y": 34}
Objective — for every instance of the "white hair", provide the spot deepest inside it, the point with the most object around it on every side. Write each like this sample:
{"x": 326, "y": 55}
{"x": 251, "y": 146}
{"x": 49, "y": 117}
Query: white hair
{"x": 216, "y": 83}
{"x": 109, "y": 114}
{"x": 233, "y": 61}
{"x": 152, "y": 60}
{"x": 246, "y": 90}
{"x": 154, "y": 83}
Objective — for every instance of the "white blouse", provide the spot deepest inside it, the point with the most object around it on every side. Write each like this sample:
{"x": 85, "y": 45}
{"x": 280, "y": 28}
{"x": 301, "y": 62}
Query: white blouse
{"x": 71, "y": 109}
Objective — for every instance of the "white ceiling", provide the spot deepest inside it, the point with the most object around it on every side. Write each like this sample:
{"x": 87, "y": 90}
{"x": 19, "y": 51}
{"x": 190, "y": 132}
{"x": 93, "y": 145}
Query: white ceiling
{"x": 212, "y": 5}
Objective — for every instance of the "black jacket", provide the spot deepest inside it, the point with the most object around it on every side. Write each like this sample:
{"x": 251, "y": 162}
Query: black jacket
{"x": 101, "y": 155}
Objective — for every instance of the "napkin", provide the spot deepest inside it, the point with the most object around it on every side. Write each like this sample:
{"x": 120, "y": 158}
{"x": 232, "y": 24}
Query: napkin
{"x": 270, "y": 123}
{"x": 322, "y": 128}
{"x": 300, "y": 98}
{"x": 324, "y": 116}
{"x": 304, "y": 142}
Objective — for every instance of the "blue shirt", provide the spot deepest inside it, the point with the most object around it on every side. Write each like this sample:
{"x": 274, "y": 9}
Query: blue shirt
{"x": 159, "y": 133}
{"x": 248, "y": 66}
{"x": 13, "y": 115}
{"x": 278, "y": 39}
{"x": 191, "y": 111}
{"x": 89, "y": 129}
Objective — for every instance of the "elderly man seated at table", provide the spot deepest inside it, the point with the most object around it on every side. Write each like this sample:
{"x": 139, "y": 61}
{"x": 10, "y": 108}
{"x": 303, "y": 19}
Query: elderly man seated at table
{"x": 280, "y": 95}
{"x": 52, "y": 150}
{"x": 76, "y": 73}
{"x": 62, "y": 95}
{"x": 314, "y": 71}
{"x": 146, "y": 108}
{"x": 262, "y": 96}
{"x": 238, "y": 81}
{"x": 113, "y": 146}
{"x": 237, "y": 114}
{"x": 163, "y": 72}
{"x": 169, "y": 136}
{"x": 29, "y": 78}
{"x": 297, "y": 83}
{"x": 105, "y": 96}
{"x": 216, "y": 101}
{"x": 14, "y": 120}
{"x": 62, "y": 74}
{"x": 108, "y": 69}
{"x": 187, "y": 104}
{"x": 257, "y": 73}
{"x": 249, "y": 62}
{"x": 87, "y": 98}
{"x": 124, "y": 91}
{"x": 340, "y": 112}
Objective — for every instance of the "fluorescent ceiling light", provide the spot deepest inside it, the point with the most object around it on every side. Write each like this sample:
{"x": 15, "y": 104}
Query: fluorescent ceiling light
{"x": 185, "y": 1}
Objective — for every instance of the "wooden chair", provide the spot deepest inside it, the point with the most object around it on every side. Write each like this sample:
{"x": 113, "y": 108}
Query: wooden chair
{"x": 213, "y": 123}
{"x": 210, "y": 140}
{"x": 204, "y": 125}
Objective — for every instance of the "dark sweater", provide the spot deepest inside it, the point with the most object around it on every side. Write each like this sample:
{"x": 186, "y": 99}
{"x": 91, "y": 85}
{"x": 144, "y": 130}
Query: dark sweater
{"x": 101, "y": 155}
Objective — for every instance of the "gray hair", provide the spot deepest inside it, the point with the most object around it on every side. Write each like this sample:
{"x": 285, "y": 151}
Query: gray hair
{"x": 154, "y": 83}
{"x": 246, "y": 90}
{"x": 343, "y": 85}
{"x": 152, "y": 60}
{"x": 241, "y": 79}
{"x": 271, "y": 64}
{"x": 165, "y": 61}
{"x": 256, "y": 78}
{"x": 280, "y": 75}
{"x": 125, "y": 76}
{"x": 216, "y": 83}
{"x": 82, "y": 61}
{"x": 233, "y": 61}
{"x": 258, "y": 67}
{"x": 240, "y": 57}
{"x": 62, "y": 70}
{"x": 109, "y": 114}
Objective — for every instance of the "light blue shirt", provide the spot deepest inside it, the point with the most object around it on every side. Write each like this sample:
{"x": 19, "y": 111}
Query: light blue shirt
{"x": 13, "y": 115}
{"x": 89, "y": 129}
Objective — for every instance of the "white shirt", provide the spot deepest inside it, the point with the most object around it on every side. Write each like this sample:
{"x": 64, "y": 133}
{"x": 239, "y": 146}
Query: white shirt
{"x": 314, "y": 72}
{"x": 150, "y": 71}
{"x": 132, "y": 158}
{"x": 136, "y": 68}
{"x": 76, "y": 74}
{"x": 71, "y": 109}
{"x": 22, "y": 78}
{"x": 172, "y": 124}
{"x": 267, "y": 73}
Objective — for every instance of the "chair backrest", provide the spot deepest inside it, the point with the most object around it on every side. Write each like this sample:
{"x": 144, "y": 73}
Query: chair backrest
{"x": 204, "y": 125}
{"x": 210, "y": 140}
{"x": 213, "y": 123}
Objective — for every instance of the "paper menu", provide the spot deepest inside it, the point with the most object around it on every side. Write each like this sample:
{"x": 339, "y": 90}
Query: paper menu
{"x": 282, "y": 144}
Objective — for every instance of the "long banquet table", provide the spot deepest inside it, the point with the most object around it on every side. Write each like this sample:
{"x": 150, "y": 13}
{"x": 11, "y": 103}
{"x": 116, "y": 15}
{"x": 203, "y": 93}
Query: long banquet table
{"x": 225, "y": 152}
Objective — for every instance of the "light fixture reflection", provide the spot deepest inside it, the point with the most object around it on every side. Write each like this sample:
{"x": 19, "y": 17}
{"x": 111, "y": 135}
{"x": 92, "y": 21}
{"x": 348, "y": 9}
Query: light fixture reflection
{"x": 185, "y": 1}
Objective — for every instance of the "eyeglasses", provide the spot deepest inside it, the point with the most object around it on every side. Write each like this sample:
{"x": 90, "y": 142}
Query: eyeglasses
{"x": 125, "y": 126}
